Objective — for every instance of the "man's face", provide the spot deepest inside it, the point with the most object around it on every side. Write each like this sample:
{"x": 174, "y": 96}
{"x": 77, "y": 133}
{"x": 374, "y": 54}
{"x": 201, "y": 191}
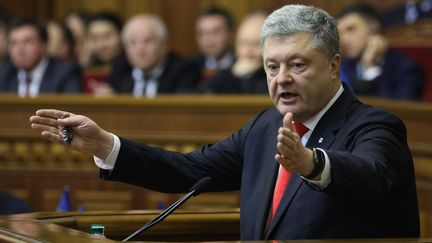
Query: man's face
{"x": 26, "y": 50}
{"x": 247, "y": 42}
{"x": 105, "y": 40}
{"x": 300, "y": 78}
{"x": 354, "y": 33}
{"x": 144, "y": 46}
{"x": 213, "y": 36}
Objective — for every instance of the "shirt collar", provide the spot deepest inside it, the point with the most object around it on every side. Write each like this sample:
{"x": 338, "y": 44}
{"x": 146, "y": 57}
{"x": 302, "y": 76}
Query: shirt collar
{"x": 223, "y": 63}
{"x": 311, "y": 123}
{"x": 37, "y": 72}
{"x": 153, "y": 74}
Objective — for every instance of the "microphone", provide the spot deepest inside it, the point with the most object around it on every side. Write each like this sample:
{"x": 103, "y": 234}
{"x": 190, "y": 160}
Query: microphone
{"x": 195, "y": 190}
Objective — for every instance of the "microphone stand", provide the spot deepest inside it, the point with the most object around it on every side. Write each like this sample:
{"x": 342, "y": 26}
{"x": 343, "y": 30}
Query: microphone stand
{"x": 196, "y": 189}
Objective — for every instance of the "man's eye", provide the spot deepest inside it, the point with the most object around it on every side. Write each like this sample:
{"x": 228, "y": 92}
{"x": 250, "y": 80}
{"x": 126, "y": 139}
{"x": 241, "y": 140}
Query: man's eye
{"x": 298, "y": 66}
{"x": 272, "y": 69}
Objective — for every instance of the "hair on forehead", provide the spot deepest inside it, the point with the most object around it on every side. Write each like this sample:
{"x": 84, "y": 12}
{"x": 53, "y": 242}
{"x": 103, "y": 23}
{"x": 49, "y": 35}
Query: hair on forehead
{"x": 155, "y": 20}
{"x": 292, "y": 19}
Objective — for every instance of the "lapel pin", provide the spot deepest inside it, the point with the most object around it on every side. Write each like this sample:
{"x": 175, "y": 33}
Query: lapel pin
{"x": 320, "y": 140}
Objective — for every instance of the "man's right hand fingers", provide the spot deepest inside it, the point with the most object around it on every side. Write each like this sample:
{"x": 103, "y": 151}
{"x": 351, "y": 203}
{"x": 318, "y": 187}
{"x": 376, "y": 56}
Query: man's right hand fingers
{"x": 287, "y": 120}
{"x": 44, "y": 121}
{"x": 51, "y": 113}
{"x": 52, "y": 137}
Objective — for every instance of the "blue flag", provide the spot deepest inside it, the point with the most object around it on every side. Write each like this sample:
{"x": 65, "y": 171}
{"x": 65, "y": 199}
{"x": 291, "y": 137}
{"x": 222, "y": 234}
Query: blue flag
{"x": 63, "y": 204}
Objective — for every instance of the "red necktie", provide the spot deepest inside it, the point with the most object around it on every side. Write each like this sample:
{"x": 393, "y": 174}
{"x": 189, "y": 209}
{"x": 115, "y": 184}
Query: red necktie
{"x": 284, "y": 175}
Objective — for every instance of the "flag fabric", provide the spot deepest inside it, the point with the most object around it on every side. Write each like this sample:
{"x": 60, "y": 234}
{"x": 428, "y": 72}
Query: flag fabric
{"x": 63, "y": 204}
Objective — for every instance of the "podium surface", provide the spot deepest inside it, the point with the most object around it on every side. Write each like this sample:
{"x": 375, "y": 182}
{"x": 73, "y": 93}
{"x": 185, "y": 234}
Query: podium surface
{"x": 182, "y": 226}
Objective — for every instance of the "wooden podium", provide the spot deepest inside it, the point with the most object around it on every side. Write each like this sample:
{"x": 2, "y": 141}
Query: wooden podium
{"x": 182, "y": 226}
{"x": 204, "y": 225}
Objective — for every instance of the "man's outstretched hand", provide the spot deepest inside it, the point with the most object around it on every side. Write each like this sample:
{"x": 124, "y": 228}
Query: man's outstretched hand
{"x": 87, "y": 136}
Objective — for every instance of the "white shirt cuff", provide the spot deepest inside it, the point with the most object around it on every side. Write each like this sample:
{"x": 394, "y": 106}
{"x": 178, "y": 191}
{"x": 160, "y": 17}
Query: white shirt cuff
{"x": 325, "y": 174}
{"x": 109, "y": 163}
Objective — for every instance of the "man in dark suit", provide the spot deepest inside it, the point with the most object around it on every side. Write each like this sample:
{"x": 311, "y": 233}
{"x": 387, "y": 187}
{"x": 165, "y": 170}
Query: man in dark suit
{"x": 29, "y": 71}
{"x": 368, "y": 65}
{"x": 247, "y": 75}
{"x": 214, "y": 34}
{"x": 150, "y": 68}
{"x": 321, "y": 164}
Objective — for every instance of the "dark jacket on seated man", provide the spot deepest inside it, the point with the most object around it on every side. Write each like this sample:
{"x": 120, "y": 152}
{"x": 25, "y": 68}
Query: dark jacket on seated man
{"x": 58, "y": 77}
{"x": 400, "y": 78}
{"x": 176, "y": 76}
{"x": 226, "y": 82}
{"x": 12, "y": 205}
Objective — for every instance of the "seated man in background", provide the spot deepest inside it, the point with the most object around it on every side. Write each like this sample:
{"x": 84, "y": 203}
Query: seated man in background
{"x": 247, "y": 74}
{"x": 152, "y": 68}
{"x": 103, "y": 43}
{"x": 76, "y": 22}
{"x": 61, "y": 43}
{"x": 214, "y": 36}
{"x": 368, "y": 65}
{"x": 29, "y": 71}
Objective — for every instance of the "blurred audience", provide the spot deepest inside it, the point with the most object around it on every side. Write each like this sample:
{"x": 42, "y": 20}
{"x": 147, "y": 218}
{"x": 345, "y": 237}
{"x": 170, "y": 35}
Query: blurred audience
{"x": 10, "y": 204}
{"x": 77, "y": 22}
{"x": 407, "y": 12}
{"x": 61, "y": 43}
{"x": 369, "y": 65}
{"x": 151, "y": 67}
{"x": 103, "y": 43}
{"x": 247, "y": 74}
{"x": 214, "y": 36}
{"x": 29, "y": 71}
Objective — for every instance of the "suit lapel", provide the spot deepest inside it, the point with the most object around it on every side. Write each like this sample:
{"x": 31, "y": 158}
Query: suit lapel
{"x": 46, "y": 84}
{"x": 324, "y": 133}
{"x": 287, "y": 198}
{"x": 270, "y": 170}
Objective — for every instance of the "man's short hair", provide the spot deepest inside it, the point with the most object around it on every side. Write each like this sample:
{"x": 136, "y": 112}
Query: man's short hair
{"x": 109, "y": 17}
{"x": 292, "y": 19}
{"x": 365, "y": 11}
{"x": 38, "y": 25}
{"x": 216, "y": 11}
{"x": 158, "y": 22}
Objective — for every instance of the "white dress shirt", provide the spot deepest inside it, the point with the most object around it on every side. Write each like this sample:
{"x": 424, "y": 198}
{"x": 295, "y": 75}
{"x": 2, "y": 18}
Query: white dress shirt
{"x": 36, "y": 75}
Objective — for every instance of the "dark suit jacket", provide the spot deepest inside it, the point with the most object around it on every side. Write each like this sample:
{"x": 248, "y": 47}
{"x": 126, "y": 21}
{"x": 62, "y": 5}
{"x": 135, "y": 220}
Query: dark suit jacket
{"x": 200, "y": 63}
{"x": 225, "y": 82}
{"x": 372, "y": 191}
{"x": 59, "y": 77}
{"x": 177, "y": 76}
{"x": 401, "y": 78}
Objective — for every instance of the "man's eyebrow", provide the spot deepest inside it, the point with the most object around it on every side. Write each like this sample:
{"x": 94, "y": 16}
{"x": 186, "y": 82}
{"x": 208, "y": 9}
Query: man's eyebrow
{"x": 289, "y": 58}
{"x": 267, "y": 60}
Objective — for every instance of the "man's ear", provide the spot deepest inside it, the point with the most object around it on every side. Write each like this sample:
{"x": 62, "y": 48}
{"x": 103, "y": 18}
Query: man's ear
{"x": 335, "y": 66}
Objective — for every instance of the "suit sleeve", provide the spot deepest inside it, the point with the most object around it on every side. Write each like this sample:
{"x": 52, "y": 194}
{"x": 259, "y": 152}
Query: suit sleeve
{"x": 376, "y": 158}
{"x": 71, "y": 78}
{"x": 174, "y": 172}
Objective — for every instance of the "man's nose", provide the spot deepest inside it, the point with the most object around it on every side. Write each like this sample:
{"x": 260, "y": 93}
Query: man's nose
{"x": 284, "y": 76}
